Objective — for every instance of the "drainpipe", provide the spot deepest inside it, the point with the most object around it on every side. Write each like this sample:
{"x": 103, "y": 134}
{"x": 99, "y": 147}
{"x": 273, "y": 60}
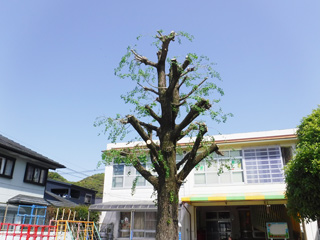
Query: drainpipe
{"x": 131, "y": 225}
{"x": 189, "y": 221}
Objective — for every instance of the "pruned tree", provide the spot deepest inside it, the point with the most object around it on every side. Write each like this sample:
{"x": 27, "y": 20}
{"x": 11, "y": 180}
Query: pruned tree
{"x": 302, "y": 174}
{"x": 168, "y": 97}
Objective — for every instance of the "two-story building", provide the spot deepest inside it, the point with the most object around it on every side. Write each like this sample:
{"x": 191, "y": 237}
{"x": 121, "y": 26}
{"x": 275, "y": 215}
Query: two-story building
{"x": 23, "y": 176}
{"x": 72, "y": 192}
{"x": 244, "y": 201}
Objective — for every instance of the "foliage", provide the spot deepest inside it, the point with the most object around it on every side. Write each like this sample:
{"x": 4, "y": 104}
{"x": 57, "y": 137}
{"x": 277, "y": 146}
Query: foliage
{"x": 303, "y": 172}
{"x": 57, "y": 177}
{"x": 169, "y": 94}
{"x": 78, "y": 213}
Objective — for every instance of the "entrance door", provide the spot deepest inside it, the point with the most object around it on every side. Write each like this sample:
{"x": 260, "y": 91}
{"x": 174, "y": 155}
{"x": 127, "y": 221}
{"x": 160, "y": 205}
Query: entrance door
{"x": 218, "y": 225}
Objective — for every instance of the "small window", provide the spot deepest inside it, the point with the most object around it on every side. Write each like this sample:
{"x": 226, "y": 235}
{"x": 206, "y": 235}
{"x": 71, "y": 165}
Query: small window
{"x": 75, "y": 193}
{"x": 35, "y": 174}
{"x": 88, "y": 198}
{"x": 62, "y": 192}
{"x": 6, "y": 166}
{"x": 287, "y": 154}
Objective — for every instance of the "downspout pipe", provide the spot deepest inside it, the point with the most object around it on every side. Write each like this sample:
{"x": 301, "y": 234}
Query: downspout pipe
{"x": 189, "y": 221}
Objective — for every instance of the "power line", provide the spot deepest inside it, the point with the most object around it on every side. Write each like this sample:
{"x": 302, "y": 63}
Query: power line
{"x": 79, "y": 172}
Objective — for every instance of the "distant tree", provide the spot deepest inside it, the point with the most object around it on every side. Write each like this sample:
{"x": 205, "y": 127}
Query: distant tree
{"x": 169, "y": 95}
{"x": 56, "y": 176}
{"x": 303, "y": 172}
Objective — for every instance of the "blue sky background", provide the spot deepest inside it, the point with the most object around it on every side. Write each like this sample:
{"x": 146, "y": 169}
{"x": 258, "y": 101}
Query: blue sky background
{"x": 57, "y": 60}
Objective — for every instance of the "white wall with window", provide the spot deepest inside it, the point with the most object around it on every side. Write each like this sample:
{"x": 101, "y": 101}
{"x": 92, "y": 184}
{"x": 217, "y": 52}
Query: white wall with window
{"x": 251, "y": 163}
{"x": 248, "y": 165}
{"x": 263, "y": 165}
{"x": 238, "y": 168}
{"x": 35, "y": 174}
{"x": 140, "y": 224}
{"x": 124, "y": 176}
{"x": 10, "y": 187}
{"x": 6, "y": 166}
{"x": 216, "y": 169}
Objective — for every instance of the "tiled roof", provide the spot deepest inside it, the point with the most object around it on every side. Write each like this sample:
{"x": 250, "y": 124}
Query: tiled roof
{"x": 25, "y": 199}
{"x": 59, "y": 201}
{"x": 10, "y": 145}
{"x": 30, "y": 200}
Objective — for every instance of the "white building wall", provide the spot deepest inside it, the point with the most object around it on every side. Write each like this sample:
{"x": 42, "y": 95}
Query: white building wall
{"x": 188, "y": 188}
{"x": 186, "y": 215}
{"x": 312, "y": 231}
{"x": 12, "y": 187}
{"x": 123, "y": 194}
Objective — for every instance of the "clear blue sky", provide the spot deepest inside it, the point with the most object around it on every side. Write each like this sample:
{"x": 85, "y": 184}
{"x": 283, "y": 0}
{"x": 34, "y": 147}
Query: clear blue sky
{"x": 57, "y": 59}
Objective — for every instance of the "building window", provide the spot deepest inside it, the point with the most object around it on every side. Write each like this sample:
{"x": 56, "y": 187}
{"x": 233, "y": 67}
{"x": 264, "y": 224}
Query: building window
{"x": 75, "y": 193}
{"x": 88, "y": 198}
{"x": 35, "y": 174}
{"x": 263, "y": 165}
{"x": 143, "y": 225}
{"x": 218, "y": 169}
{"x": 124, "y": 176}
{"x": 6, "y": 166}
{"x": 287, "y": 154}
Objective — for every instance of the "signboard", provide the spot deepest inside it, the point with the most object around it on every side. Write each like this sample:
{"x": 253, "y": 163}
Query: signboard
{"x": 277, "y": 230}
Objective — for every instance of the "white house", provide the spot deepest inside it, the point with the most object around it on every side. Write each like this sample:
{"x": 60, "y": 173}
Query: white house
{"x": 23, "y": 176}
{"x": 245, "y": 202}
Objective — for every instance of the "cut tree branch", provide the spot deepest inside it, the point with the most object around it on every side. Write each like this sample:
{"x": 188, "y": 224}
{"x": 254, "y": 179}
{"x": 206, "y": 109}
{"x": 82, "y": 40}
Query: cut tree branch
{"x": 187, "y": 71}
{"x": 165, "y": 39}
{"x": 193, "y": 90}
{"x": 192, "y": 126}
{"x": 135, "y": 123}
{"x": 183, "y": 80}
{"x": 194, "y": 112}
{"x": 194, "y": 161}
{"x": 202, "y": 131}
{"x": 149, "y": 126}
{"x": 143, "y": 59}
{"x": 153, "y": 114}
{"x": 132, "y": 154}
{"x": 148, "y": 89}
{"x": 145, "y": 173}
{"x": 173, "y": 76}
{"x": 186, "y": 63}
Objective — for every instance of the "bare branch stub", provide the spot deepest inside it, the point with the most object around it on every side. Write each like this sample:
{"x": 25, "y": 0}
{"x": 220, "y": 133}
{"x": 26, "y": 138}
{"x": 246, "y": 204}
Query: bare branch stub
{"x": 186, "y": 63}
{"x": 148, "y": 89}
{"x": 143, "y": 59}
{"x": 153, "y": 114}
{"x": 194, "y": 112}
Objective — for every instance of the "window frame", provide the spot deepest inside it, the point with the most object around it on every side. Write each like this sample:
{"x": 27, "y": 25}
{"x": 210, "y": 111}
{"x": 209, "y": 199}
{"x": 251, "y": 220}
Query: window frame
{"x": 33, "y": 176}
{"x": 128, "y": 225}
{"x": 5, "y": 159}
{"x": 260, "y": 163}
{"x": 217, "y": 160}
{"x": 86, "y": 197}
{"x": 126, "y": 177}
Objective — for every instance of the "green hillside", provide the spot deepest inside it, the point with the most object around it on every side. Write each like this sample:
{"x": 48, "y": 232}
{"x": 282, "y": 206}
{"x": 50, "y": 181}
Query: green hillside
{"x": 57, "y": 177}
{"x": 94, "y": 182}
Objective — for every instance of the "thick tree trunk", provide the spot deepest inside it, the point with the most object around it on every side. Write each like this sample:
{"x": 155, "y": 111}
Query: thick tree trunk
{"x": 168, "y": 205}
